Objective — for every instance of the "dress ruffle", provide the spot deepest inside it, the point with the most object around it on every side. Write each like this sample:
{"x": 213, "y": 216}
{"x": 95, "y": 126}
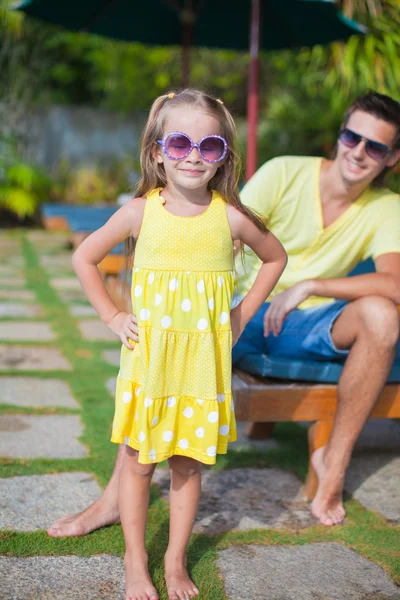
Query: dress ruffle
{"x": 165, "y": 426}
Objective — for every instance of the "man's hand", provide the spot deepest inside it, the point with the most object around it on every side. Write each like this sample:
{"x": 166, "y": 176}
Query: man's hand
{"x": 237, "y": 324}
{"x": 282, "y": 304}
{"x": 124, "y": 325}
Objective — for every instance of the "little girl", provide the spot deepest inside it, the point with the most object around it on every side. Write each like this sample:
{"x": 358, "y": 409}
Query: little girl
{"x": 174, "y": 397}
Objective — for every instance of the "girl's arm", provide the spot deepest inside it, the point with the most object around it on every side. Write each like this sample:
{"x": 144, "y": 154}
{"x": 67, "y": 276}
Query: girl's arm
{"x": 269, "y": 249}
{"x": 124, "y": 223}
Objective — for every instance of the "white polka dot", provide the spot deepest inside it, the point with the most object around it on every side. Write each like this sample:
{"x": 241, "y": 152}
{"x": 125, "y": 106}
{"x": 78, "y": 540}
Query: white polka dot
{"x": 158, "y": 299}
{"x": 200, "y": 432}
{"x": 151, "y": 278}
{"x": 213, "y": 416}
{"x": 154, "y": 421}
{"x": 224, "y": 318}
{"x": 126, "y": 397}
{"x": 212, "y": 451}
{"x": 224, "y": 429}
{"x": 188, "y": 412}
{"x": 200, "y": 401}
{"x": 221, "y": 397}
{"x": 127, "y": 440}
{"x": 148, "y": 402}
{"x": 166, "y": 321}
{"x": 167, "y": 436}
{"x": 183, "y": 444}
{"x": 188, "y": 272}
{"x": 220, "y": 280}
{"x": 136, "y": 269}
{"x": 211, "y": 304}
{"x": 137, "y": 391}
{"x": 200, "y": 286}
{"x": 152, "y": 454}
{"x": 202, "y": 324}
{"x": 144, "y": 314}
{"x": 142, "y": 436}
{"x": 171, "y": 401}
{"x": 138, "y": 290}
{"x": 186, "y": 305}
{"x": 136, "y": 415}
{"x": 173, "y": 284}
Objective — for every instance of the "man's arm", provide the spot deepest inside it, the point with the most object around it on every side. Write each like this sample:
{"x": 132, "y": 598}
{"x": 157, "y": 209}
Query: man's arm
{"x": 385, "y": 282}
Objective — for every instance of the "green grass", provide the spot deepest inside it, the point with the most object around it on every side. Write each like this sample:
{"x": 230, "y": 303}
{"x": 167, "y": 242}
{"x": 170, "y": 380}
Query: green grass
{"x": 364, "y": 531}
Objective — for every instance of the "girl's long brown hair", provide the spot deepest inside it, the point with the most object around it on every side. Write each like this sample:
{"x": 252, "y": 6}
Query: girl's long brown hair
{"x": 226, "y": 179}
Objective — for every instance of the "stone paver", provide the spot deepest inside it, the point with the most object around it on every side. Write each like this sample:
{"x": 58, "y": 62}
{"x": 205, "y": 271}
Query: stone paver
{"x": 17, "y": 295}
{"x": 111, "y": 385}
{"x": 7, "y": 309}
{"x": 96, "y": 330}
{"x": 35, "y": 392}
{"x": 325, "y": 571}
{"x": 112, "y": 357}
{"x": 9, "y": 272}
{"x": 56, "y": 261}
{"x": 98, "y": 577}
{"x": 12, "y": 282}
{"x": 374, "y": 480}
{"x": 73, "y": 296}
{"x": 82, "y": 310}
{"x": 245, "y": 499}
{"x": 26, "y": 331}
{"x": 65, "y": 283}
{"x": 34, "y": 502}
{"x": 31, "y": 358}
{"x": 35, "y": 436}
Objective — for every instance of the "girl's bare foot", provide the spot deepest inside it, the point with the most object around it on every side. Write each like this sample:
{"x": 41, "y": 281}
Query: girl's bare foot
{"x": 327, "y": 505}
{"x": 179, "y": 584}
{"x": 99, "y": 514}
{"x": 138, "y": 583}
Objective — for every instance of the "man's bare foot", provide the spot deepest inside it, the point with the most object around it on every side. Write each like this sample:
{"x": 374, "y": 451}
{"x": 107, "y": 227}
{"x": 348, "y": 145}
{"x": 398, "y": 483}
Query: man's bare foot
{"x": 138, "y": 583}
{"x": 99, "y": 514}
{"x": 179, "y": 584}
{"x": 327, "y": 505}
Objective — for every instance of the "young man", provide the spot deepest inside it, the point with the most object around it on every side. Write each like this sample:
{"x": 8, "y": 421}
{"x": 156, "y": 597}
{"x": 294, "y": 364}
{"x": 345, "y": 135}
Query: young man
{"x": 329, "y": 215}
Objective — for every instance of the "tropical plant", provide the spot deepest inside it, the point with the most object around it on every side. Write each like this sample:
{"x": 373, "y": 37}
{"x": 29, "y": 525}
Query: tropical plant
{"x": 22, "y": 188}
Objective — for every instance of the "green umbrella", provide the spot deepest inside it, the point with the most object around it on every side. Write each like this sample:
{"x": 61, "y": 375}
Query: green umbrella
{"x": 274, "y": 24}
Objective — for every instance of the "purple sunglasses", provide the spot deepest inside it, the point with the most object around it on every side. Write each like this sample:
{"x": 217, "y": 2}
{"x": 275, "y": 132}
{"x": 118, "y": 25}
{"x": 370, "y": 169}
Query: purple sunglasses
{"x": 177, "y": 145}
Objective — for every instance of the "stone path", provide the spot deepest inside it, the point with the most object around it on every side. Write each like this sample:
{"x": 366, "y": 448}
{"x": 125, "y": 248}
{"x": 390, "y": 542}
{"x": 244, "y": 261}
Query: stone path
{"x": 326, "y": 571}
{"x": 32, "y": 369}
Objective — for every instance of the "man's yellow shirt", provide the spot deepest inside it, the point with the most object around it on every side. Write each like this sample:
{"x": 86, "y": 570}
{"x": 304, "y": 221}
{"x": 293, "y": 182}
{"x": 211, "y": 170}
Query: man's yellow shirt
{"x": 285, "y": 193}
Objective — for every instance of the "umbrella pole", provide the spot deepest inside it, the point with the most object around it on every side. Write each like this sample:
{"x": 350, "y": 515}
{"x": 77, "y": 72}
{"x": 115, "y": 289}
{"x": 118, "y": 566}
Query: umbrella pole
{"x": 252, "y": 98}
{"x": 188, "y": 17}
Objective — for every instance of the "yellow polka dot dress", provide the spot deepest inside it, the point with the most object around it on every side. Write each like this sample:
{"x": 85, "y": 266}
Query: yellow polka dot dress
{"x": 174, "y": 389}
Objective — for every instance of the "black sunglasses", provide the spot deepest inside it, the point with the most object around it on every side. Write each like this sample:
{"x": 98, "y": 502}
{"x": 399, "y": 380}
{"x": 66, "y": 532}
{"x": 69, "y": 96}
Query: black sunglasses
{"x": 375, "y": 150}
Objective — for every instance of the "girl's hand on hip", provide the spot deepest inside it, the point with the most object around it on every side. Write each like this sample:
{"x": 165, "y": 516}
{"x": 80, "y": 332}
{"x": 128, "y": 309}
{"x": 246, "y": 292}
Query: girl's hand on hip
{"x": 124, "y": 325}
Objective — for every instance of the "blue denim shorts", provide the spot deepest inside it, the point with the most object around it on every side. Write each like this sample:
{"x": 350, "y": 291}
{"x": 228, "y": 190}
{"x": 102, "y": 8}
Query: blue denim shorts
{"x": 306, "y": 334}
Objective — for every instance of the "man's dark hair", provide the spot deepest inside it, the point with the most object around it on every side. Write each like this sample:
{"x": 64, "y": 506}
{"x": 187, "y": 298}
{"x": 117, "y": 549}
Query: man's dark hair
{"x": 382, "y": 107}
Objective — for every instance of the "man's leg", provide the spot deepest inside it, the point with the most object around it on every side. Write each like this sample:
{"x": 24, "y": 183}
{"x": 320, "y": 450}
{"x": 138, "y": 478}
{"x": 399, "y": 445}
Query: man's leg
{"x": 370, "y": 328}
{"x": 104, "y": 511}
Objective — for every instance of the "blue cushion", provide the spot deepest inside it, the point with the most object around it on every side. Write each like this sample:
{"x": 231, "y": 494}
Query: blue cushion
{"x": 307, "y": 370}
{"x": 300, "y": 370}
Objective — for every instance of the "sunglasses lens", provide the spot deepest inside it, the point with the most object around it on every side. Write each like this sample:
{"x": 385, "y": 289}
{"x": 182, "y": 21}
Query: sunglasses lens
{"x": 212, "y": 148}
{"x": 349, "y": 138}
{"x": 177, "y": 145}
{"x": 376, "y": 151}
